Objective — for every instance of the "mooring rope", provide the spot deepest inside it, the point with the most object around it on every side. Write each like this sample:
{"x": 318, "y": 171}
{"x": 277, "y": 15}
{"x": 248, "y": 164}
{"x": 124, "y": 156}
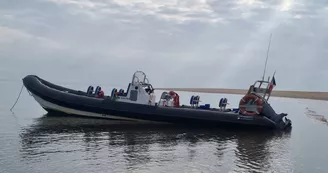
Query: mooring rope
{"x": 17, "y": 97}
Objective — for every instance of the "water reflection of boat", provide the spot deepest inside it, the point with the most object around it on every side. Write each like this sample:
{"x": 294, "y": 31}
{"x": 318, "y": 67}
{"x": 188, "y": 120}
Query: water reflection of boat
{"x": 138, "y": 104}
{"x": 135, "y": 143}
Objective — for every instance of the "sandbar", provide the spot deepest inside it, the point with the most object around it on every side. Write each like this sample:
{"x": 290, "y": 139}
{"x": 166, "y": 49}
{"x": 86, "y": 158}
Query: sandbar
{"x": 277, "y": 93}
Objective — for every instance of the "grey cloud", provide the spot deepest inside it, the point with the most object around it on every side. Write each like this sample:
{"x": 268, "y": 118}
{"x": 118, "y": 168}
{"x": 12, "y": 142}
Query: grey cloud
{"x": 177, "y": 45}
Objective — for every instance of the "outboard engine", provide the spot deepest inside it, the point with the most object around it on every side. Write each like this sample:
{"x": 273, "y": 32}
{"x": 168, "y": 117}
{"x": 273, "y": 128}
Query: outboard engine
{"x": 90, "y": 90}
{"x": 280, "y": 119}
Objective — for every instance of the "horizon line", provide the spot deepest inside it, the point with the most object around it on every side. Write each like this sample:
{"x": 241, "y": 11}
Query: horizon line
{"x": 313, "y": 95}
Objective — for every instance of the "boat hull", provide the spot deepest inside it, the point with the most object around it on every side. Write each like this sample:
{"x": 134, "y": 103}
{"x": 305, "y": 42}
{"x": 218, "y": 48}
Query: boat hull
{"x": 71, "y": 102}
{"x": 51, "y": 107}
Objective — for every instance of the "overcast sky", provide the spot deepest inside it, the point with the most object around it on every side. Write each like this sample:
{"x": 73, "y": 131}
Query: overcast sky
{"x": 189, "y": 43}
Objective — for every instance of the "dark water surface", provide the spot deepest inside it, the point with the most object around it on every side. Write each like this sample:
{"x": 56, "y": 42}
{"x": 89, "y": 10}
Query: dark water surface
{"x": 33, "y": 141}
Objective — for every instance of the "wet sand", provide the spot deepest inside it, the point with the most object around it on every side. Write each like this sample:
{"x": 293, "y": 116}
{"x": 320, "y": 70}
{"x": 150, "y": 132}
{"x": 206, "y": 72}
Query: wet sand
{"x": 277, "y": 93}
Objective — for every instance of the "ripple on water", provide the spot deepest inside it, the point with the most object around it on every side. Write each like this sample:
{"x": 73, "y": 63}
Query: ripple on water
{"x": 316, "y": 116}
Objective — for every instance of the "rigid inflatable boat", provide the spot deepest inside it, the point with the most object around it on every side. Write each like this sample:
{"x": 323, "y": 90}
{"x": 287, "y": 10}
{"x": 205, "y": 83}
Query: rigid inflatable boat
{"x": 138, "y": 103}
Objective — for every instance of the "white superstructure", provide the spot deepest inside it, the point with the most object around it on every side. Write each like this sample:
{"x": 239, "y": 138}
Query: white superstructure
{"x": 139, "y": 91}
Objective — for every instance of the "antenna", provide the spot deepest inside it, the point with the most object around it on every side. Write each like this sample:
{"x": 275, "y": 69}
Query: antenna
{"x": 266, "y": 61}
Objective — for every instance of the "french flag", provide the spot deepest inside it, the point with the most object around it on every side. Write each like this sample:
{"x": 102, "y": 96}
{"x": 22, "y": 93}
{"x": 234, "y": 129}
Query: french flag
{"x": 272, "y": 84}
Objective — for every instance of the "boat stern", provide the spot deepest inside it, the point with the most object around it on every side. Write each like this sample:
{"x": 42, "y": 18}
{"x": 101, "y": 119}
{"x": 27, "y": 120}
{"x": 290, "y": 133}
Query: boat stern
{"x": 280, "y": 120}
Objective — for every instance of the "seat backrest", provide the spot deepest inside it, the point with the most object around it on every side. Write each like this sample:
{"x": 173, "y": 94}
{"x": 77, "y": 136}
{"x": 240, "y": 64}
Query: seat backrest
{"x": 90, "y": 90}
{"x": 98, "y": 89}
{"x": 114, "y": 90}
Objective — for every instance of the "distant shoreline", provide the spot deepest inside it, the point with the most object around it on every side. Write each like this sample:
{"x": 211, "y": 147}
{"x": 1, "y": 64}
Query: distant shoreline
{"x": 277, "y": 93}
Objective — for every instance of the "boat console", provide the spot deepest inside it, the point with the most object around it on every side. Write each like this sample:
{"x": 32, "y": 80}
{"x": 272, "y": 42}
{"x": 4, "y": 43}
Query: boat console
{"x": 139, "y": 91}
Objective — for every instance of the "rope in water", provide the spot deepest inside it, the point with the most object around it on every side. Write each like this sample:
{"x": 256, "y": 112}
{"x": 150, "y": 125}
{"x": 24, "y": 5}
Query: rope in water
{"x": 17, "y": 97}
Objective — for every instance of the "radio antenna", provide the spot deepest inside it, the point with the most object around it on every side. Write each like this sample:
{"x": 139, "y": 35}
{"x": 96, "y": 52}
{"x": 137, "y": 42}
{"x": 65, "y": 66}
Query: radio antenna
{"x": 266, "y": 61}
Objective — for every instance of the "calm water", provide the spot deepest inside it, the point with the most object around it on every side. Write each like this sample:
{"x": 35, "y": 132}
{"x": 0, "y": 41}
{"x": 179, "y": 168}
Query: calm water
{"x": 32, "y": 141}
